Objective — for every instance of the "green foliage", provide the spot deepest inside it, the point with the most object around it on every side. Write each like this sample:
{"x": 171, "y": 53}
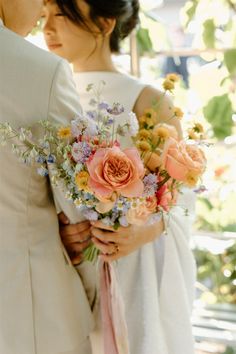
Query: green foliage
{"x": 230, "y": 61}
{"x": 144, "y": 41}
{"x": 218, "y": 113}
{"x": 217, "y": 272}
{"x": 208, "y": 35}
{"x": 189, "y": 12}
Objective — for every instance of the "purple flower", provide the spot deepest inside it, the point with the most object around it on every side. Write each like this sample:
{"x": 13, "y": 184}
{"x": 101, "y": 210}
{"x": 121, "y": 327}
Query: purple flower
{"x": 40, "y": 159}
{"x": 92, "y": 115}
{"x": 90, "y": 215}
{"x": 51, "y": 158}
{"x": 81, "y": 151}
{"x": 150, "y": 184}
{"x": 42, "y": 171}
{"x": 116, "y": 109}
{"x": 200, "y": 189}
{"x": 123, "y": 221}
{"x": 103, "y": 105}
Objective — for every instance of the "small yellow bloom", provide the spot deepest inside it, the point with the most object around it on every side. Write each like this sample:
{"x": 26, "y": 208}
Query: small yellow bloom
{"x": 172, "y": 77}
{"x": 161, "y": 132}
{"x": 178, "y": 112}
{"x": 168, "y": 85}
{"x": 150, "y": 114}
{"x": 198, "y": 128}
{"x": 81, "y": 180}
{"x": 144, "y": 134}
{"x": 64, "y": 133}
{"x": 191, "y": 178}
{"x": 143, "y": 145}
{"x": 192, "y": 134}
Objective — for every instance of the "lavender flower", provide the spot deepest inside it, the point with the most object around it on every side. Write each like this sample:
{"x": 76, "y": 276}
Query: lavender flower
{"x": 150, "y": 184}
{"x": 91, "y": 115}
{"x": 42, "y": 171}
{"x": 123, "y": 221}
{"x": 90, "y": 215}
{"x": 103, "y": 105}
{"x": 116, "y": 109}
{"x": 51, "y": 159}
{"x": 40, "y": 159}
{"x": 81, "y": 151}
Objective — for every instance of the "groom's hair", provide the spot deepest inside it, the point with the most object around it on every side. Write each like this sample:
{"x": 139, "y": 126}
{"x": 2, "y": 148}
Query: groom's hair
{"x": 125, "y": 12}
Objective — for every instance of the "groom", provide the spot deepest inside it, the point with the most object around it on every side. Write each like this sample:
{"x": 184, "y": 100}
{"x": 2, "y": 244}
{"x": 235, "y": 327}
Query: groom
{"x": 43, "y": 306}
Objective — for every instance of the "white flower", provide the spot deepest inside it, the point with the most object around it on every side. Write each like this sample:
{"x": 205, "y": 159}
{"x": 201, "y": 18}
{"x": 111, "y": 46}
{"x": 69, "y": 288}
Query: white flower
{"x": 132, "y": 123}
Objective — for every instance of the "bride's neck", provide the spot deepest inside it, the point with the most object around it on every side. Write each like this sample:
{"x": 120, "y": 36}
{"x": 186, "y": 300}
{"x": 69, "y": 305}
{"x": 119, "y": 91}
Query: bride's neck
{"x": 100, "y": 60}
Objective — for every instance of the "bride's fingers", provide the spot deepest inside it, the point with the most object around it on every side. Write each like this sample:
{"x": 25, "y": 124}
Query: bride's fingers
{"x": 100, "y": 225}
{"x": 105, "y": 248}
{"x": 104, "y": 236}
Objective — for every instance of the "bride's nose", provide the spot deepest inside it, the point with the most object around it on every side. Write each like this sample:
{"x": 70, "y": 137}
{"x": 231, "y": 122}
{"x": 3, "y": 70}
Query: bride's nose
{"x": 47, "y": 24}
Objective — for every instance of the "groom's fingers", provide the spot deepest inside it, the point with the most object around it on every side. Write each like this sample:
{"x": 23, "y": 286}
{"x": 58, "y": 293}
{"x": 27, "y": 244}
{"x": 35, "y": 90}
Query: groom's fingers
{"x": 63, "y": 219}
{"x": 73, "y": 229}
{"x": 76, "y": 260}
{"x": 77, "y": 247}
{"x": 80, "y": 237}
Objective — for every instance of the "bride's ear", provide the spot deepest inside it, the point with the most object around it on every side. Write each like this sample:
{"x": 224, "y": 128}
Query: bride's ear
{"x": 107, "y": 25}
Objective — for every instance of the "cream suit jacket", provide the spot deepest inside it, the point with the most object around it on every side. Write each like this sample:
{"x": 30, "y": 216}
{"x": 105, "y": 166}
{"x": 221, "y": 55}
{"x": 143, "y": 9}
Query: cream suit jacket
{"x": 43, "y": 307}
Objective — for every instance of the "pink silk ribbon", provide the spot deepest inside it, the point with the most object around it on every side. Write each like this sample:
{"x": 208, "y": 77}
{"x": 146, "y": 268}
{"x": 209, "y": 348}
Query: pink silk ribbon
{"x": 115, "y": 332}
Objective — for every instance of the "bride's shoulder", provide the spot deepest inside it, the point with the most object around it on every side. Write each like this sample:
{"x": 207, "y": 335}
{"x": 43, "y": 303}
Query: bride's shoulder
{"x": 150, "y": 94}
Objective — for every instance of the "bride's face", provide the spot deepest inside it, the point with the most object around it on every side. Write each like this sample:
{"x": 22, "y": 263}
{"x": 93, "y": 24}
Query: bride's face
{"x": 65, "y": 38}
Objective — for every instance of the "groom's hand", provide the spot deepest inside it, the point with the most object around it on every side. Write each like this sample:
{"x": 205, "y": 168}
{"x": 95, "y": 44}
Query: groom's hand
{"x": 75, "y": 237}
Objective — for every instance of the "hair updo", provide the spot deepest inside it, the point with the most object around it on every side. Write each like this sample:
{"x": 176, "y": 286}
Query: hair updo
{"x": 125, "y": 12}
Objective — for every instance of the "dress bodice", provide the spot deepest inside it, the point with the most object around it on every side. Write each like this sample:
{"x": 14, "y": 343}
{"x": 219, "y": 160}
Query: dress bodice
{"x": 118, "y": 88}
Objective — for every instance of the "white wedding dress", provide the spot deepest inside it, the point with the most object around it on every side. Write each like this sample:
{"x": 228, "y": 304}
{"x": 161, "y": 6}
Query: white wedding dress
{"x": 157, "y": 281}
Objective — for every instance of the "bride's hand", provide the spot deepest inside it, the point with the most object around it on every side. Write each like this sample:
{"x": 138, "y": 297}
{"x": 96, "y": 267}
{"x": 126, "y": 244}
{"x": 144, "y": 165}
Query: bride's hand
{"x": 115, "y": 244}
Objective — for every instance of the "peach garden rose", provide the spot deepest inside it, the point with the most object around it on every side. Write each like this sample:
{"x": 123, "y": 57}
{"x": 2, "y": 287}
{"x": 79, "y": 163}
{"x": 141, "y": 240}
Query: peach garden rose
{"x": 112, "y": 171}
{"x": 181, "y": 160}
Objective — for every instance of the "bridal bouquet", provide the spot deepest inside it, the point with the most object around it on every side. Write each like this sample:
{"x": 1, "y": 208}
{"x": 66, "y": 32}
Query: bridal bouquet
{"x": 108, "y": 183}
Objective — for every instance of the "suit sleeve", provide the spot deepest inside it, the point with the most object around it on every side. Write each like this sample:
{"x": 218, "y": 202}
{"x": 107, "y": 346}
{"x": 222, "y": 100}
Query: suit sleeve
{"x": 63, "y": 106}
{"x": 64, "y": 102}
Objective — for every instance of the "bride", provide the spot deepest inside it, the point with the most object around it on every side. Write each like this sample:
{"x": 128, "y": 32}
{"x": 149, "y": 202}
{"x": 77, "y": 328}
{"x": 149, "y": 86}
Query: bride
{"x": 156, "y": 271}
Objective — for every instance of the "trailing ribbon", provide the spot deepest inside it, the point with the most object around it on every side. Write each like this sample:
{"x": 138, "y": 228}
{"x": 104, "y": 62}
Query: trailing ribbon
{"x": 115, "y": 332}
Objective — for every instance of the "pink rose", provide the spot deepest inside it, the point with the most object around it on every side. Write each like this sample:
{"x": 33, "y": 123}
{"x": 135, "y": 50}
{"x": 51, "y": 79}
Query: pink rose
{"x": 138, "y": 215}
{"x": 179, "y": 159}
{"x": 113, "y": 170}
{"x": 166, "y": 198}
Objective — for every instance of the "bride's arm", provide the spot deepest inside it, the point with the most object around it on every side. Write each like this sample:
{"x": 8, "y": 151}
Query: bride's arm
{"x": 165, "y": 109}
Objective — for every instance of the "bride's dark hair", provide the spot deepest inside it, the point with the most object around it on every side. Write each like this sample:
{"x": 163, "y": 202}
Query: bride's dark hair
{"x": 125, "y": 12}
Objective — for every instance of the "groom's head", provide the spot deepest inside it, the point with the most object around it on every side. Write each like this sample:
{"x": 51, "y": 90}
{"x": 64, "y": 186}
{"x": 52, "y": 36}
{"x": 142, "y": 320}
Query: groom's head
{"x": 20, "y": 16}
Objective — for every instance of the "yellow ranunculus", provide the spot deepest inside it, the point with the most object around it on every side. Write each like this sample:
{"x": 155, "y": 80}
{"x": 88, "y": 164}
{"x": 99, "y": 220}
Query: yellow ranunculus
{"x": 144, "y": 134}
{"x": 198, "y": 128}
{"x": 192, "y": 134}
{"x": 178, "y": 112}
{"x": 192, "y": 178}
{"x": 172, "y": 77}
{"x": 64, "y": 133}
{"x": 143, "y": 145}
{"x": 81, "y": 180}
{"x": 161, "y": 131}
{"x": 168, "y": 85}
{"x": 150, "y": 113}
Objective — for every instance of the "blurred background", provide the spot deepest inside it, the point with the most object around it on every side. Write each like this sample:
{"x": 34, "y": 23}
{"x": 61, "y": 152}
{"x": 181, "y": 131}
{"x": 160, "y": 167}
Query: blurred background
{"x": 197, "y": 39}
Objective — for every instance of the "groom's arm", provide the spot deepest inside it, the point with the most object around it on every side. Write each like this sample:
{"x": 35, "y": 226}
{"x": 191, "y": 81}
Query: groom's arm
{"x": 63, "y": 107}
{"x": 64, "y": 102}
